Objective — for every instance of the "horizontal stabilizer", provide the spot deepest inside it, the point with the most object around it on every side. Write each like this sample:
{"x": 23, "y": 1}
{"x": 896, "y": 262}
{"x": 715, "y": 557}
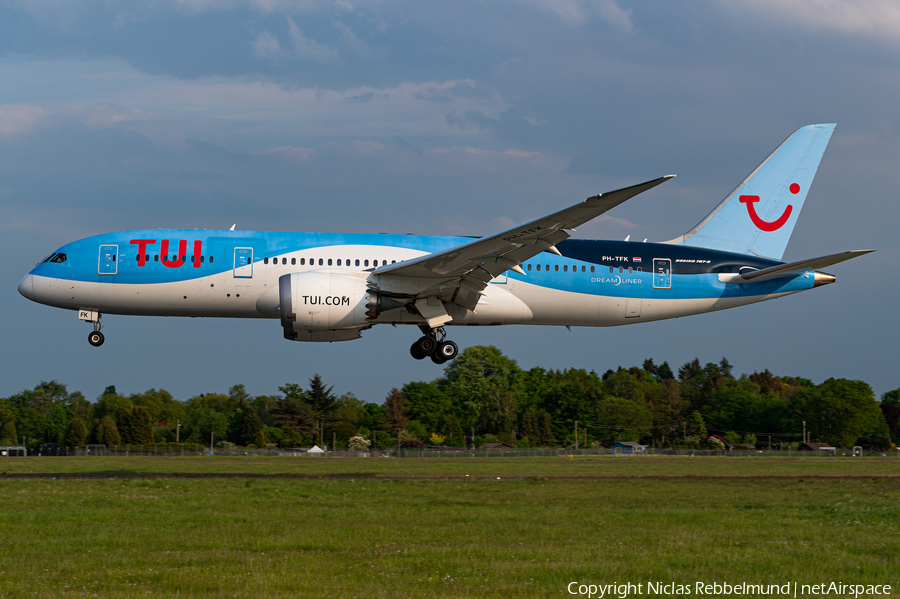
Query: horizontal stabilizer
{"x": 791, "y": 269}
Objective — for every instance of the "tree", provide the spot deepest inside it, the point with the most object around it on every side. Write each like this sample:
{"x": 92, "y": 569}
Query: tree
{"x": 294, "y": 417}
{"x": 359, "y": 444}
{"x": 250, "y": 427}
{"x": 396, "y": 416}
{"x": 110, "y": 404}
{"x": 136, "y": 426}
{"x": 201, "y": 423}
{"x": 8, "y": 435}
{"x": 840, "y": 411}
{"x": 260, "y": 439}
{"x": 476, "y": 382}
{"x": 163, "y": 408}
{"x": 107, "y": 433}
{"x": 322, "y": 401}
{"x": 76, "y": 433}
{"x": 621, "y": 420}
{"x": 696, "y": 426}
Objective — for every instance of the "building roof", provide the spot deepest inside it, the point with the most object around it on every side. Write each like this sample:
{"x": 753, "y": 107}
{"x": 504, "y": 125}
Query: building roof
{"x": 816, "y": 447}
{"x": 628, "y": 444}
{"x": 495, "y": 446}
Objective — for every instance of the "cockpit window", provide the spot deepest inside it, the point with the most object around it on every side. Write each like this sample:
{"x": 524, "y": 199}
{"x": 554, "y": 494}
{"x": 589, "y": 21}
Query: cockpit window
{"x": 54, "y": 257}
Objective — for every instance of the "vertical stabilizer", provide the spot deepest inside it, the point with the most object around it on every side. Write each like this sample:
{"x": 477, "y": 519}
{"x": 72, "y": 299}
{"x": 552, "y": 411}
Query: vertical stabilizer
{"x": 759, "y": 215}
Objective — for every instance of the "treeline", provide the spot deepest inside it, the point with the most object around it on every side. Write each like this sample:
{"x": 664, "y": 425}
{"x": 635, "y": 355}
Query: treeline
{"x": 483, "y": 396}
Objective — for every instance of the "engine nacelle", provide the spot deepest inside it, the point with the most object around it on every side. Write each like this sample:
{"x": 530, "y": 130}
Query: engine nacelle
{"x": 322, "y": 305}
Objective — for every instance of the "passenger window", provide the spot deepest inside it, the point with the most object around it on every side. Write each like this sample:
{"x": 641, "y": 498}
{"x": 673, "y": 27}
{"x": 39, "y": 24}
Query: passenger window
{"x": 293, "y": 261}
{"x": 156, "y": 258}
{"x": 393, "y": 262}
{"x": 183, "y": 258}
{"x": 384, "y": 262}
{"x": 366, "y": 263}
{"x": 538, "y": 268}
{"x": 529, "y": 267}
{"x": 566, "y": 268}
{"x": 357, "y": 262}
{"x": 284, "y": 260}
{"x": 582, "y": 269}
{"x": 265, "y": 260}
{"x": 621, "y": 270}
{"x": 547, "y": 267}
{"x": 556, "y": 267}
{"x": 630, "y": 270}
{"x": 610, "y": 270}
{"x": 146, "y": 257}
{"x": 302, "y": 261}
{"x": 592, "y": 269}
{"x": 339, "y": 262}
{"x": 329, "y": 262}
{"x": 138, "y": 257}
{"x": 639, "y": 269}
{"x": 201, "y": 259}
{"x": 210, "y": 259}
{"x": 320, "y": 262}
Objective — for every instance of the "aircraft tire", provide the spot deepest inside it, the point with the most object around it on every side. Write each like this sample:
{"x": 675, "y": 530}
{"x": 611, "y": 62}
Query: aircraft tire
{"x": 447, "y": 350}
{"x": 437, "y": 358}
{"x": 95, "y": 338}
{"x": 415, "y": 353}
{"x": 426, "y": 345}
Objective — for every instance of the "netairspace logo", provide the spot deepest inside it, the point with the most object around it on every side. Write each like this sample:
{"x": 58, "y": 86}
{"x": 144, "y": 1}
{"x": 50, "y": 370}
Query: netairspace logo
{"x": 718, "y": 589}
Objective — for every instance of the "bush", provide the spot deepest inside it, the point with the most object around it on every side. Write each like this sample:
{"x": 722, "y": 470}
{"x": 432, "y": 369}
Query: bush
{"x": 413, "y": 444}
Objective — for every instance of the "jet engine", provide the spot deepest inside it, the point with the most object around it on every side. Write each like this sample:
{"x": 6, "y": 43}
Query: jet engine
{"x": 322, "y": 306}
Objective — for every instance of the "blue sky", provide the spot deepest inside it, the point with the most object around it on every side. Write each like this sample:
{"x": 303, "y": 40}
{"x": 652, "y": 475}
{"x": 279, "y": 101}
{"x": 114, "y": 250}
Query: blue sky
{"x": 445, "y": 118}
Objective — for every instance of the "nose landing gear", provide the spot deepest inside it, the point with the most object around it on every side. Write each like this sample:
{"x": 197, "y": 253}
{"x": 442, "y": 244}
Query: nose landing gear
{"x": 435, "y": 345}
{"x": 95, "y": 337}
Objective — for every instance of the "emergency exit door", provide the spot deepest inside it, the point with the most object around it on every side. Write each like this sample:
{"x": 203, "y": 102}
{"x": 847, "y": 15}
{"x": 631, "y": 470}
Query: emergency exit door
{"x": 109, "y": 260}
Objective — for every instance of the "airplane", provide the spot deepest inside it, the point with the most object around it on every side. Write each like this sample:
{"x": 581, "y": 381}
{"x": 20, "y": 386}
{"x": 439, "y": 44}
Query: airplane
{"x": 326, "y": 287}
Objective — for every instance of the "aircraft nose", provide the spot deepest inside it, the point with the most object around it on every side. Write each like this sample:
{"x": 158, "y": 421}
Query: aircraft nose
{"x": 26, "y": 286}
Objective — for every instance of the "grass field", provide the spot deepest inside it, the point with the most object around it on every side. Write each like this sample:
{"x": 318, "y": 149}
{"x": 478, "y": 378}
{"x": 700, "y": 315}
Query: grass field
{"x": 301, "y": 527}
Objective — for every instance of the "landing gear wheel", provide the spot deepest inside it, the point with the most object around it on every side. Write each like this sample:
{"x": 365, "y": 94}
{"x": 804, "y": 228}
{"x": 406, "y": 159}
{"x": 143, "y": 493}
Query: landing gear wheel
{"x": 415, "y": 353}
{"x": 425, "y": 345}
{"x": 95, "y": 338}
{"x": 447, "y": 350}
{"x": 438, "y": 358}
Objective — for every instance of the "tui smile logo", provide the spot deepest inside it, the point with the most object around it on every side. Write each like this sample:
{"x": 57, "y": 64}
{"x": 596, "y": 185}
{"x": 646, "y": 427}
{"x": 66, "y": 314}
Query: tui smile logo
{"x": 761, "y": 224}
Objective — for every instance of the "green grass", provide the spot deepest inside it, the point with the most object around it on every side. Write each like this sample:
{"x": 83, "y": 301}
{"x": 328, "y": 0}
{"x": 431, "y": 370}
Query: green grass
{"x": 297, "y": 527}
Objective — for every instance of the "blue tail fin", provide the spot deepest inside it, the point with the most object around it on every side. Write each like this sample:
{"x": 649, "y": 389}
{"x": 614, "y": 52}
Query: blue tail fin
{"x": 759, "y": 215}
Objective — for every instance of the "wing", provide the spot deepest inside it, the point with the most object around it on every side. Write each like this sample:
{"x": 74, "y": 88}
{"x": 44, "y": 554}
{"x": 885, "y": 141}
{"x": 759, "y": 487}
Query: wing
{"x": 459, "y": 274}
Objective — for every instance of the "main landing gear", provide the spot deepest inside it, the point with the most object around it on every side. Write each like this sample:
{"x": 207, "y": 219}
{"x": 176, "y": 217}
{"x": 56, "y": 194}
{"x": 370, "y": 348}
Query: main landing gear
{"x": 435, "y": 345}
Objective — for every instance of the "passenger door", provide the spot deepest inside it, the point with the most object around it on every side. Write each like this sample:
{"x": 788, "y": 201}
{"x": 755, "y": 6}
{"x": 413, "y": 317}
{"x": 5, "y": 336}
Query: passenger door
{"x": 108, "y": 263}
{"x": 243, "y": 263}
{"x": 662, "y": 273}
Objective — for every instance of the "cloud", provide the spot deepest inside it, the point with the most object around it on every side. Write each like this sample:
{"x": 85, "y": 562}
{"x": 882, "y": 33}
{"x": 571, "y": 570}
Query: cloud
{"x": 877, "y": 18}
{"x": 266, "y": 46}
{"x": 18, "y": 118}
{"x": 580, "y": 12}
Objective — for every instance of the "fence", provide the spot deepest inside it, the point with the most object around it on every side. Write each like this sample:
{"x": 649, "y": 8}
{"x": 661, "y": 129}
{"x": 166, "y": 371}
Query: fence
{"x": 174, "y": 450}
